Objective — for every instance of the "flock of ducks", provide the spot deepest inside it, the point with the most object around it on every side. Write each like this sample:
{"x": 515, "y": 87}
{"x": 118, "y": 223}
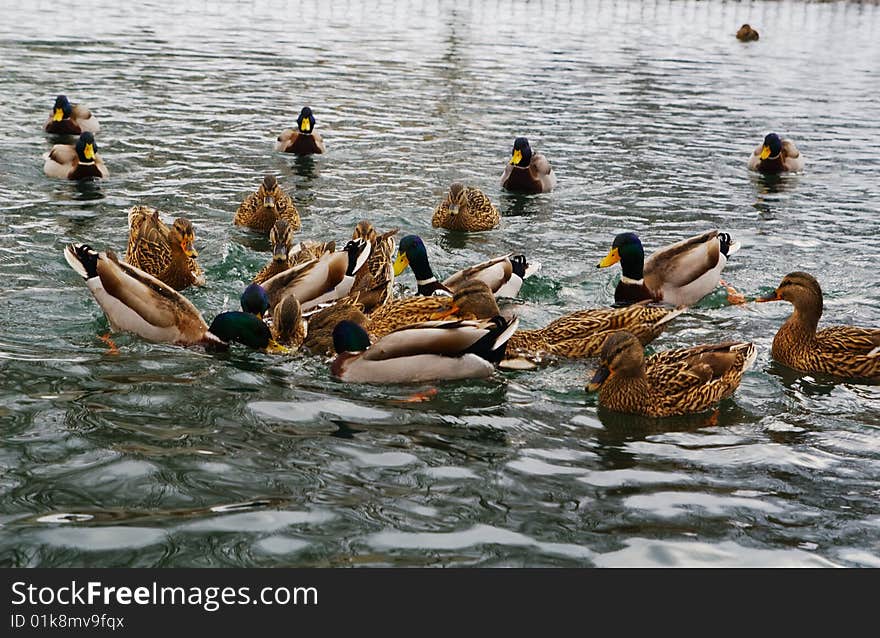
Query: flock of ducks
{"x": 324, "y": 300}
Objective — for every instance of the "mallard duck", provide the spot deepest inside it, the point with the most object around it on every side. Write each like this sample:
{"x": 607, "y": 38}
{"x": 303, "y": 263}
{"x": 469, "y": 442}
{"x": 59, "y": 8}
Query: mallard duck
{"x": 70, "y": 119}
{"x": 246, "y": 329}
{"x": 374, "y": 283}
{"x": 776, "y": 155}
{"x": 465, "y": 208}
{"x": 582, "y": 333}
{"x": 504, "y": 275}
{"x": 472, "y": 300}
{"x": 80, "y": 161}
{"x": 679, "y": 275}
{"x": 319, "y": 337}
{"x": 307, "y": 250}
{"x": 166, "y": 253}
{"x": 841, "y": 351}
{"x": 423, "y": 352}
{"x": 304, "y": 140}
{"x": 260, "y": 210}
{"x": 674, "y": 382}
{"x": 255, "y": 300}
{"x": 281, "y": 238}
{"x": 527, "y": 172}
{"x": 746, "y": 34}
{"x": 137, "y": 302}
{"x": 288, "y": 327}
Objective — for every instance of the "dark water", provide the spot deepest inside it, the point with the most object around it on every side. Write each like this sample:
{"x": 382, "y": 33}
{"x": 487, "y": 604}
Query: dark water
{"x": 648, "y": 110}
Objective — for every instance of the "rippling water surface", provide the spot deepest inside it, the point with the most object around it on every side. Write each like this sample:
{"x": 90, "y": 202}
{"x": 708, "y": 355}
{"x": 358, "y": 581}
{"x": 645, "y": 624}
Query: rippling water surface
{"x": 648, "y": 110}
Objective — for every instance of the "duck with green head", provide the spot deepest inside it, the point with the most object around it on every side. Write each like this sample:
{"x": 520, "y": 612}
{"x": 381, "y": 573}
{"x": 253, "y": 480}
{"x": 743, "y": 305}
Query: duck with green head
{"x": 304, "y": 139}
{"x": 80, "y": 161}
{"x": 775, "y": 156}
{"x": 70, "y": 119}
{"x": 527, "y": 171}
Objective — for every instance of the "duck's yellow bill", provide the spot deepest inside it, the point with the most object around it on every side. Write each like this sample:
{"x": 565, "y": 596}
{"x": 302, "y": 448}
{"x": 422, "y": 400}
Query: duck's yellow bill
{"x": 599, "y": 377}
{"x": 517, "y": 157}
{"x": 89, "y": 152}
{"x": 305, "y": 126}
{"x": 58, "y": 115}
{"x": 765, "y": 152}
{"x": 610, "y": 259}
{"x": 276, "y": 348}
{"x": 400, "y": 263}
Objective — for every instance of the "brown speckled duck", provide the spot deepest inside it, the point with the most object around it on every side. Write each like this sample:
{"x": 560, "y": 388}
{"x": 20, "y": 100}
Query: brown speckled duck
{"x": 70, "y": 119}
{"x": 374, "y": 283}
{"x": 674, "y": 382}
{"x": 747, "y": 34}
{"x": 841, "y": 351}
{"x": 261, "y": 209}
{"x": 776, "y": 155}
{"x": 281, "y": 238}
{"x": 168, "y": 254}
{"x": 527, "y": 172}
{"x": 467, "y": 209}
{"x": 304, "y": 139}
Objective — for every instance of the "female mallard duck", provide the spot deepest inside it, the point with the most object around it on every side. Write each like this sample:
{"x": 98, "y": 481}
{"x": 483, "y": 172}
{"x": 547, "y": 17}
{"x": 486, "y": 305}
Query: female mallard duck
{"x": 260, "y": 210}
{"x": 423, "y": 352}
{"x": 527, "y": 172}
{"x": 504, "y": 275}
{"x": 70, "y": 119}
{"x": 679, "y": 275}
{"x": 80, "y": 161}
{"x": 288, "y": 327}
{"x": 582, "y": 333}
{"x": 304, "y": 140}
{"x": 746, "y": 34}
{"x": 674, "y": 382}
{"x": 165, "y": 253}
{"x": 841, "y": 351}
{"x": 373, "y": 283}
{"x": 775, "y": 156}
{"x": 281, "y": 238}
{"x": 307, "y": 250}
{"x": 465, "y": 208}
{"x": 134, "y": 301}
{"x": 319, "y": 338}
{"x": 472, "y": 300}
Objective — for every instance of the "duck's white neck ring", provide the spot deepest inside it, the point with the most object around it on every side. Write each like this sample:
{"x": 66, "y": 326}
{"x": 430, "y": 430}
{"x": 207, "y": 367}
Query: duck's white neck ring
{"x": 425, "y": 282}
{"x": 627, "y": 280}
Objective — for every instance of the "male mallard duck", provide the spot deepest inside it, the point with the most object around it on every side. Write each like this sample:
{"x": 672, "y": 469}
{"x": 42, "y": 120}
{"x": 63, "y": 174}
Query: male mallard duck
{"x": 254, "y": 300}
{"x": 304, "y": 140}
{"x": 776, "y": 155}
{"x": 504, "y": 275}
{"x": 70, "y": 119}
{"x": 746, "y": 34}
{"x": 669, "y": 383}
{"x": 582, "y": 333}
{"x": 281, "y": 238}
{"x": 80, "y": 161}
{"x": 373, "y": 283}
{"x": 527, "y": 172}
{"x": 260, "y": 210}
{"x": 134, "y": 301}
{"x": 423, "y": 352}
{"x": 319, "y": 338}
{"x": 246, "y": 329}
{"x": 842, "y": 351}
{"x": 679, "y": 275}
{"x": 165, "y": 253}
{"x": 465, "y": 208}
{"x": 472, "y": 300}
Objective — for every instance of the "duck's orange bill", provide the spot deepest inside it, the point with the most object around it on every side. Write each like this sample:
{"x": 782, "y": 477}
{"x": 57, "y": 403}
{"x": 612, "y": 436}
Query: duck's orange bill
{"x": 610, "y": 259}
{"x": 599, "y": 377}
{"x": 188, "y": 249}
{"x": 773, "y": 296}
{"x": 453, "y": 310}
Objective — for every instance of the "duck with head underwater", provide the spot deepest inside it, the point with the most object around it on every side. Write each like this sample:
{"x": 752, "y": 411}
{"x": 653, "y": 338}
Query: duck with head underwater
{"x": 527, "y": 171}
{"x": 304, "y": 139}
{"x": 504, "y": 275}
{"x": 680, "y": 274}
{"x": 80, "y": 161}
{"x": 775, "y": 156}
{"x": 70, "y": 119}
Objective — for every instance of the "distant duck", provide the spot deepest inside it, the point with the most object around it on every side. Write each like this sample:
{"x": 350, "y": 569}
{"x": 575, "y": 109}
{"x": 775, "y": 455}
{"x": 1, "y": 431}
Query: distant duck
{"x": 669, "y": 383}
{"x": 80, "y": 161}
{"x": 746, "y": 34}
{"x": 70, "y": 119}
{"x": 260, "y": 210}
{"x": 465, "y": 208}
{"x": 166, "y": 253}
{"x": 527, "y": 172}
{"x": 304, "y": 140}
{"x": 776, "y": 155}
{"x": 680, "y": 274}
{"x": 841, "y": 351}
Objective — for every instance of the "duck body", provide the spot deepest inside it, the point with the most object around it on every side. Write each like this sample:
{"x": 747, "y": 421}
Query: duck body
{"x": 527, "y": 172}
{"x": 841, "y": 351}
{"x": 165, "y": 253}
{"x": 77, "y": 162}
{"x": 465, "y": 208}
{"x": 775, "y": 156}
{"x": 303, "y": 140}
{"x": 137, "y": 302}
{"x": 747, "y": 34}
{"x": 374, "y": 283}
{"x": 669, "y": 383}
{"x": 70, "y": 119}
{"x": 680, "y": 274}
{"x": 261, "y": 209}
{"x": 319, "y": 336}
